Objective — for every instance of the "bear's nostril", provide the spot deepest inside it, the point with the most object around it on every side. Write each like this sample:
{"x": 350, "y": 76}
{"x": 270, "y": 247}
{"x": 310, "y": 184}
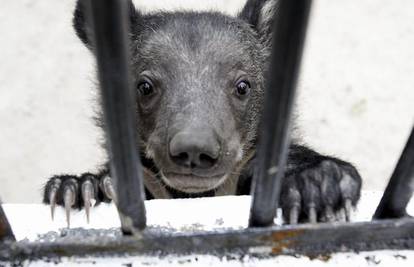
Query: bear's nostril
{"x": 182, "y": 159}
{"x": 183, "y": 156}
{"x": 205, "y": 161}
{"x": 194, "y": 160}
{"x": 194, "y": 149}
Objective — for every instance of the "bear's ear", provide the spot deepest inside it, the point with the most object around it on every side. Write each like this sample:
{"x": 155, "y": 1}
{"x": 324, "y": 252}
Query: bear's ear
{"x": 260, "y": 14}
{"x": 82, "y": 24}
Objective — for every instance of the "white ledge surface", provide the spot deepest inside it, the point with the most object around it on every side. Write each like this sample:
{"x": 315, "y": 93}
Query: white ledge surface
{"x": 186, "y": 215}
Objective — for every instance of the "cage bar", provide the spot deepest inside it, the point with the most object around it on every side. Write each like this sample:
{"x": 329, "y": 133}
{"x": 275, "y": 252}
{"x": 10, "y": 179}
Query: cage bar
{"x": 111, "y": 27}
{"x": 307, "y": 239}
{"x": 6, "y": 232}
{"x": 400, "y": 187}
{"x": 288, "y": 37}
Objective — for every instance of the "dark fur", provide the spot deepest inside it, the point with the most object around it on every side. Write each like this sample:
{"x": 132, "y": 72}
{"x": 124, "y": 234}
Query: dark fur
{"x": 194, "y": 60}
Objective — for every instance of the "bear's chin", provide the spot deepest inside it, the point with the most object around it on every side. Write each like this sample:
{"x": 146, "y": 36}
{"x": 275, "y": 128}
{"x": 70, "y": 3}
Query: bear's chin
{"x": 192, "y": 184}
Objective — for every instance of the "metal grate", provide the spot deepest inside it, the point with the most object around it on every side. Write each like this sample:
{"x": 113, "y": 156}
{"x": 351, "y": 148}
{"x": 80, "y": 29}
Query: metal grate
{"x": 6, "y": 233}
{"x": 400, "y": 187}
{"x": 290, "y": 27}
{"x": 110, "y": 30}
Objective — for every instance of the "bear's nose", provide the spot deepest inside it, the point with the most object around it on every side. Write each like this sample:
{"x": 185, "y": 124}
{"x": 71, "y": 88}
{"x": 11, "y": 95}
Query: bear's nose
{"x": 195, "y": 148}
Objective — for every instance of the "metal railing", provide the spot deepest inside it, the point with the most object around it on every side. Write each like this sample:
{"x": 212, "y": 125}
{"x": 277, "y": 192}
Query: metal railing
{"x": 6, "y": 233}
{"x": 287, "y": 47}
{"x": 110, "y": 41}
{"x": 400, "y": 187}
{"x": 110, "y": 22}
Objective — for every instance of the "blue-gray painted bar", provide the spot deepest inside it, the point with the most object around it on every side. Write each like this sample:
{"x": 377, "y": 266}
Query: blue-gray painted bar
{"x": 6, "y": 232}
{"x": 110, "y": 20}
{"x": 400, "y": 187}
{"x": 289, "y": 34}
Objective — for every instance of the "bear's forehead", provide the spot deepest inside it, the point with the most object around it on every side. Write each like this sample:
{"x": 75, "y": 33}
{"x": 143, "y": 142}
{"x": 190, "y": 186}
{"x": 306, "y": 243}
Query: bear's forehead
{"x": 196, "y": 39}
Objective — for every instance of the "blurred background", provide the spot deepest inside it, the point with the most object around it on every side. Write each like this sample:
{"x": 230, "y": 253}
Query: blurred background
{"x": 356, "y": 88}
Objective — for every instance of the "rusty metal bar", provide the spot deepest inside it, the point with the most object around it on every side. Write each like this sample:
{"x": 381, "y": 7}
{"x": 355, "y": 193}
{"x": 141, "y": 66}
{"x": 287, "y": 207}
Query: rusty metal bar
{"x": 400, "y": 187}
{"x": 110, "y": 30}
{"x": 309, "y": 240}
{"x": 6, "y": 233}
{"x": 289, "y": 35}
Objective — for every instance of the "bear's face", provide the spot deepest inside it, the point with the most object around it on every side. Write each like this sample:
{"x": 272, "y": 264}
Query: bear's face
{"x": 199, "y": 80}
{"x": 199, "y": 84}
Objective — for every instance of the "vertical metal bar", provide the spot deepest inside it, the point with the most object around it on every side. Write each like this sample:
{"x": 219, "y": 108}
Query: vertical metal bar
{"x": 400, "y": 187}
{"x": 110, "y": 20}
{"x": 6, "y": 232}
{"x": 288, "y": 38}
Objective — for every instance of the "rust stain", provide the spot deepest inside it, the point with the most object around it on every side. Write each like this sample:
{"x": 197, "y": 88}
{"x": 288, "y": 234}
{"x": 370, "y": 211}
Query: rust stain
{"x": 282, "y": 246}
{"x": 282, "y": 240}
{"x": 283, "y": 235}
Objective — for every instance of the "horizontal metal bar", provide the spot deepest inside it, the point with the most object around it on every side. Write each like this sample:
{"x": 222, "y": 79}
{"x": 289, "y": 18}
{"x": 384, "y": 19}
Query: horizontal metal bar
{"x": 288, "y": 38}
{"x": 310, "y": 240}
{"x": 6, "y": 233}
{"x": 400, "y": 187}
{"x": 111, "y": 26}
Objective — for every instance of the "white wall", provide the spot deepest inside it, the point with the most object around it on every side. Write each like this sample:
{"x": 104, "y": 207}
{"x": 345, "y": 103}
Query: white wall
{"x": 357, "y": 88}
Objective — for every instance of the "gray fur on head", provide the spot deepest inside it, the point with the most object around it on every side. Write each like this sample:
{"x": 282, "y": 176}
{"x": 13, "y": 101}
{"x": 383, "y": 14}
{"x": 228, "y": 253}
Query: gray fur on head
{"x": 260, "y": 15}
{"x": 194, "y": 62}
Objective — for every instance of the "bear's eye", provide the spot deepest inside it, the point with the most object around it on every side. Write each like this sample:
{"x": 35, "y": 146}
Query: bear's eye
{"x": 243, "y": 88}
{"x": 145, "y": 88}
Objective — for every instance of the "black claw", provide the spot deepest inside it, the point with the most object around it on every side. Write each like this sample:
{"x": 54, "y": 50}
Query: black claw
{"x": 87, "y": 196}
{"x": 68, "y": 200}
{"x": 312, "y": 214}
{"x": 54, "y": 187}
{"x": 52, "y": 198}
{"x": 340, "y": 215}
{"x": 69, "y": 197}
{"x": 293, "y": 200}
{"x": 311, "y": 196}
{"x": 329, "y": 214}
{"x": 108, "y": 188}
{"x": 348, "y": 209}
{"x": 294, "y": 215}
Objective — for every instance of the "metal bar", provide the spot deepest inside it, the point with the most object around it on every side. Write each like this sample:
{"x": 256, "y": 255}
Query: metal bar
{"x": 289, "y": 34}
{"x": 110, "y": 30}
{"x": 400, "y": 187}
{"x": 6, "y": 233}
{"x": 309, "y": 240}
